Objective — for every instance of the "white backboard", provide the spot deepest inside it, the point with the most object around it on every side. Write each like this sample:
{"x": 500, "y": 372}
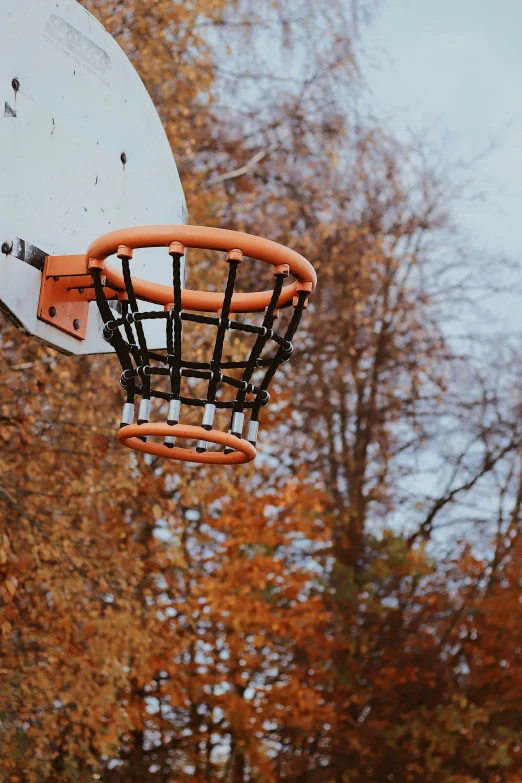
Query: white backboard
{"x": 82, "y": 152}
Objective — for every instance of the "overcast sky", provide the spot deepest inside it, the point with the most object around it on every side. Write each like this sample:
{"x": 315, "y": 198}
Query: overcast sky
{"x": 456, "y": 65}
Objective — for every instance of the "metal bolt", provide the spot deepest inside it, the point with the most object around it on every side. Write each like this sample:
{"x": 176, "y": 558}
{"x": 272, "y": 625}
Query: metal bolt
{"x": 81, "y": 290}
{"x": 76, "y": 323}
{"x": 52, "y": 311}
{"x": 7, "y": 248}
{"x": 15, "y": 84}
{"x": 123, "y": 158}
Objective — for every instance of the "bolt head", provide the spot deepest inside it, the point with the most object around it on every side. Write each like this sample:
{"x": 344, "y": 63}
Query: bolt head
{"x": 52, "y": 311}
{"x": 76, "y": 323}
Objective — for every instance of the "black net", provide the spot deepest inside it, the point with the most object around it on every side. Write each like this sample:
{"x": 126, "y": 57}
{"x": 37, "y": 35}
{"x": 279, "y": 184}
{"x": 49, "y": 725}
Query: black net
{"x": 144, "y": 371}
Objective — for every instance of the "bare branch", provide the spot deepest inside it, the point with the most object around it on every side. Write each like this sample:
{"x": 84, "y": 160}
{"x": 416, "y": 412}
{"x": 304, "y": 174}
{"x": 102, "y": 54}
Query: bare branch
{"x": 240, "y": 172}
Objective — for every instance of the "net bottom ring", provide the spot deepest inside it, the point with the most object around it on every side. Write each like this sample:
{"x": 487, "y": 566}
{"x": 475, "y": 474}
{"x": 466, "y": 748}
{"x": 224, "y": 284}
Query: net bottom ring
{"x": 131, "y": 435}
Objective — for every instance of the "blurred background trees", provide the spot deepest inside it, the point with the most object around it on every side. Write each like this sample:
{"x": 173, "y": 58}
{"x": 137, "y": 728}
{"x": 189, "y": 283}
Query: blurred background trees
{"x": 348, "y": 607}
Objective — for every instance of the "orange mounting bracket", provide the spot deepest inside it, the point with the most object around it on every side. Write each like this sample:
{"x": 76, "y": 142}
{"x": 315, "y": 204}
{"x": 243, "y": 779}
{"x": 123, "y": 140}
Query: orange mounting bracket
{"x": 65, "y": 294}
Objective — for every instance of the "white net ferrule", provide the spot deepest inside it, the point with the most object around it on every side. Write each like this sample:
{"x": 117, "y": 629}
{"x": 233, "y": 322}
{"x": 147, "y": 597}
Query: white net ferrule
{"x": 144, "y": 412}
{"x": 252, "y": 432}
{"x": 238, "y": 420}
{"x": 208, "y": 416}
{"x": 127, "y": 414}
{"x": 174, "y": 411}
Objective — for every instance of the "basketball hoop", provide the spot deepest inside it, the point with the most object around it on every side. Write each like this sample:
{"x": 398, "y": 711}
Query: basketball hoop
{"x": 140, "y": 366}
{"x": 44, "y": 217}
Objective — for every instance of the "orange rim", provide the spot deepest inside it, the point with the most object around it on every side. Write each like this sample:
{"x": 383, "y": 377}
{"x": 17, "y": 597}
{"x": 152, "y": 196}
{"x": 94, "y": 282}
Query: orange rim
{"x": 130, "y": 436}
{"x": 202, "y": 237}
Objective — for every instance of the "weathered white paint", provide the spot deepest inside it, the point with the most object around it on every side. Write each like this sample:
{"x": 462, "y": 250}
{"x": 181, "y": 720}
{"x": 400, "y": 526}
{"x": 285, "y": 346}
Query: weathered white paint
{"x": 80, "y": 105}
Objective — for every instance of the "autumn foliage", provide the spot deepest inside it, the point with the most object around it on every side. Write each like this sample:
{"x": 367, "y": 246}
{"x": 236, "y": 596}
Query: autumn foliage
{"x": 347, "y": 608}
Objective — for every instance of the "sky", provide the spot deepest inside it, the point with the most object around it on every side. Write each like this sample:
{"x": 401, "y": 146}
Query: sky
{"x": 455, "y": 67}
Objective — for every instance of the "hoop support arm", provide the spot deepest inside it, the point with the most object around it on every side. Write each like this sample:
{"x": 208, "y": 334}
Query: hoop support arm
{"x": 65, "y": 293}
